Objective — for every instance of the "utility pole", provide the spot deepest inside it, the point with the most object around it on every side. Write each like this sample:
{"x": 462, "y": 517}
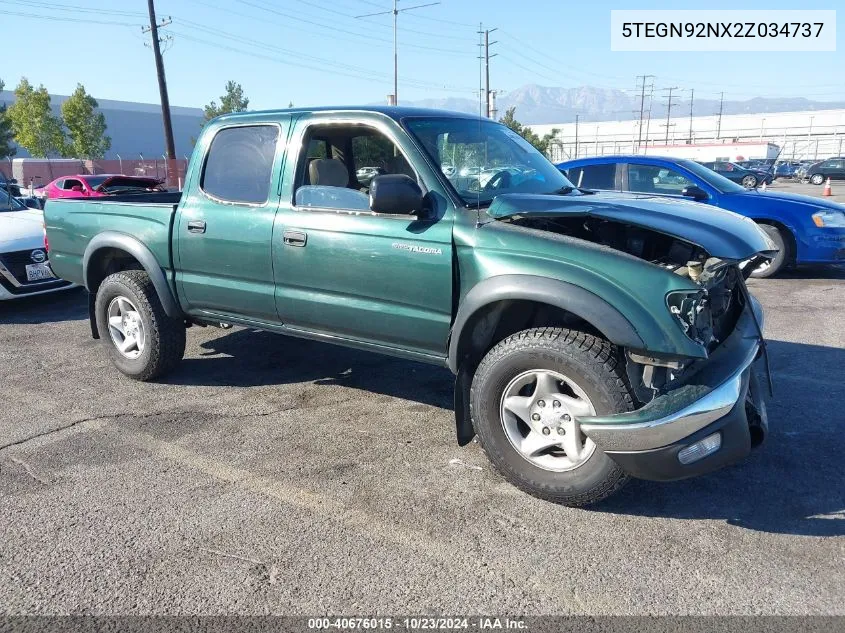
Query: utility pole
{"x": 395, "y": 11}
{"x": 481, "y": 99}
{"x": 648, "y": 113}
{"x": 487, "y": 56}
{"x": 162, "y": 86}
{"x": 669, "y": 111}
{"x": 691, "y": 98}
{"x": 576, "y": 135}
{"x": 721, "y": 106}
{"x": 642, "y": 107}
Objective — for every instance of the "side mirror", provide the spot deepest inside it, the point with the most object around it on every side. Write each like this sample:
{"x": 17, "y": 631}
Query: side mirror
{"x": 397, "y": 194}
{"x": 696, "y": 193}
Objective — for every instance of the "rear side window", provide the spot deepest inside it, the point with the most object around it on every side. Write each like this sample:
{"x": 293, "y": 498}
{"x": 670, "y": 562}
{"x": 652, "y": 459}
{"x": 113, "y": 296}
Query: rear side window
{"x": 239, "y": 164}
{"x": 594, "y": 176}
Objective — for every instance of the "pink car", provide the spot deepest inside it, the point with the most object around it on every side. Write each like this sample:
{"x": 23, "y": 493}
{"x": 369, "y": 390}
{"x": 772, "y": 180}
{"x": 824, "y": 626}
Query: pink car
{"x": 100, "y": 185}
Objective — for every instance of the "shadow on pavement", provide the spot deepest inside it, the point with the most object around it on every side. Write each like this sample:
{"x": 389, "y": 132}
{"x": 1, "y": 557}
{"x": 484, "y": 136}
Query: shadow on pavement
{"x": 795, "y": 482}
{"x": 253, "y": 358}
{"x": 67, "y": 305}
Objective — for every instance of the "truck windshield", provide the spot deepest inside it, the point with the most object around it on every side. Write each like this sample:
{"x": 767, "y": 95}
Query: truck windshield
{"x": 4, "y": 202}
{"x": 482, "y": 159}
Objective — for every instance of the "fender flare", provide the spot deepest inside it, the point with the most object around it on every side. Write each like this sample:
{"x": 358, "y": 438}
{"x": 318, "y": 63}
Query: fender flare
{"x": 561, "y": 294}
{"x": 133, "y": 246}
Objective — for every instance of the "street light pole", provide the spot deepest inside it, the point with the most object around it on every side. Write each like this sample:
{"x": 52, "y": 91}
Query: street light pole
{"x": 396, "y": 11}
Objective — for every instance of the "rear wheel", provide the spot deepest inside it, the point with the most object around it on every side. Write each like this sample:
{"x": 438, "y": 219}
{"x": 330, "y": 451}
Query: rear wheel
{"x": 817, "y": 179}
{"x": 528, "y": 395}
{"x": 774, "y": 266}
{"x": 143, "y": 342}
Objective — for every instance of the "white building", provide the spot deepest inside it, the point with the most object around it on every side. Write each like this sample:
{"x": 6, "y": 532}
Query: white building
{"x": 810, "y": 134}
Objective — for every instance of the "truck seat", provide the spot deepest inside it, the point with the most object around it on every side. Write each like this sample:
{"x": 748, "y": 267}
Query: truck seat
{"x": 328, "y": 172}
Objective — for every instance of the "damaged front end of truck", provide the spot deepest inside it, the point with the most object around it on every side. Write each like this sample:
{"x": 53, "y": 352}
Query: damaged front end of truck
{"x": 700, "y": 404}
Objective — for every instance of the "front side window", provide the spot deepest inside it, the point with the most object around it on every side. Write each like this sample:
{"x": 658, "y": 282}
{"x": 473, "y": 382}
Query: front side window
{"x": 340, "y": 164}
{"x": 482, "y": 159}
{"x": 70, "y": 183}
{"x": 594, "y": 176}
{"x": 239, "y": 164}
{"x": 656, "y": 179}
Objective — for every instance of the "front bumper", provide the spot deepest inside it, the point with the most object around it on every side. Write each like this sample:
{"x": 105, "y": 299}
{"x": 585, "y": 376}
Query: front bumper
{"x": 821, "y": 246}
{"x": 722, "y": 396}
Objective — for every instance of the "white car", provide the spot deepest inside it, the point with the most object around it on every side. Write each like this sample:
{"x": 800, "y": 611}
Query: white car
{"x": 24, "y": 269}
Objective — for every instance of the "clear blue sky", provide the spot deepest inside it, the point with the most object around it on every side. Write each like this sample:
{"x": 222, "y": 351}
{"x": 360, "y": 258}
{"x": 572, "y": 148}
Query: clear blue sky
{"x": 316, "y": 52}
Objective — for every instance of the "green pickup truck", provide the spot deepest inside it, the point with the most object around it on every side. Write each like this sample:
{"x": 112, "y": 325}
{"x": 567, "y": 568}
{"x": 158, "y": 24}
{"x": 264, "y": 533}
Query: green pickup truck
{"x": 593, "y": 336}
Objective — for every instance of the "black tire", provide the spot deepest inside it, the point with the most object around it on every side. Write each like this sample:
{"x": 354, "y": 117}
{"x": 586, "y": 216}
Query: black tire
{"x": 817, "y": 179}
{"x": 782, "y": 258}
{"x": 165, "y": 337}
{"x": 595, "y": 365}
{"x": 749, "y": 181}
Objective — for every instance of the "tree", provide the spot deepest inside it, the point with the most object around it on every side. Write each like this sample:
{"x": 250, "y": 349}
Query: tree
{"x": 232, "y": 101}
{"x": 527, "y": 133}
{"x": 6, "y": 135}
{"x": 86, "y": 129}
{"x": 34, "y": 125}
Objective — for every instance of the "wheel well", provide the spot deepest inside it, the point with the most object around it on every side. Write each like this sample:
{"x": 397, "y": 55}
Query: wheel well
{"x": 107, "y": 261}
{"x": 788, "y": 237}
{"x": 496, "y": 321}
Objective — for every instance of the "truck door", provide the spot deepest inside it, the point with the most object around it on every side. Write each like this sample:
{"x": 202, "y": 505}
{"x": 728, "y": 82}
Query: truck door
{"x": 224, "y": 229}
{"x": 348, "y": 272}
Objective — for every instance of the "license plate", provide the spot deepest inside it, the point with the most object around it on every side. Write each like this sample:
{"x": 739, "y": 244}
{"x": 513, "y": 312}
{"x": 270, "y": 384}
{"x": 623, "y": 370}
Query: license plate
{"x": 38, "y": 272}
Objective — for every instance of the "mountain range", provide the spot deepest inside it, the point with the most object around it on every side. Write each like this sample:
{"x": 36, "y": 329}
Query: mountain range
{"x": 545, "y": 104}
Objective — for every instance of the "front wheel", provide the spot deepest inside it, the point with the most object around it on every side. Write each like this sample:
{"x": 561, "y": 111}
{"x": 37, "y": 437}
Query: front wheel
{"x": 143, "y": 342}
{"x": 527, "y": 396}
{"x": 775, "y": 265}
{"x": 749, "y": 181}
{"x": 817, "y": 179}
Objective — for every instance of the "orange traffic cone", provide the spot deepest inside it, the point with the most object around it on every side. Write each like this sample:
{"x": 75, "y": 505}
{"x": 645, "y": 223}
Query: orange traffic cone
{"x": 827, "y": 191}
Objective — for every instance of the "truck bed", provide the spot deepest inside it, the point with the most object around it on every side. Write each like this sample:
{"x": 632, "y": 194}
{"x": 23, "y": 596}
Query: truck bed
{"x": 72, "y": 222}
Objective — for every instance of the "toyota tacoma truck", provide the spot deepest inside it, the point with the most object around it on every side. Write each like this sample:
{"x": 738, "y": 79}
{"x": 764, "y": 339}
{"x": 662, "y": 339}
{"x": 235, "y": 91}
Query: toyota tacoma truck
{"x": 593, "y": 336}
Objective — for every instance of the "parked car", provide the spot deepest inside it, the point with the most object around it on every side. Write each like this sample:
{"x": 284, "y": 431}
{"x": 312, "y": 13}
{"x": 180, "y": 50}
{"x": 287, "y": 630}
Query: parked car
{"x": 593, "y": 336}
{"x": 100, "y": 185}
{"x": 786, "y": 169}
{"x": 807, "y": 230}
{"x": 24, "y": 267}
{"x": 748, "y": 178}
{"x": 818, "y": 172}
{"x": 366, "y": 174}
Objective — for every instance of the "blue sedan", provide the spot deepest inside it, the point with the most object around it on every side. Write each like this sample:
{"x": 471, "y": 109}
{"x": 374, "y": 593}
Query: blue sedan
{"x": 807, "y": 230}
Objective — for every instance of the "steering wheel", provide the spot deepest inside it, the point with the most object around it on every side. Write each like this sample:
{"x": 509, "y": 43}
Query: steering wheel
{"x": 499, "y": 180}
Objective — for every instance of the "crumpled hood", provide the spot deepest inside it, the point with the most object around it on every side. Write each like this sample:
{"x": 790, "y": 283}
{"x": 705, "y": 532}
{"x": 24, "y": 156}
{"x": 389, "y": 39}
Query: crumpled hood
{"x": 721, "y": 233}
{"x": 20, "y": 230}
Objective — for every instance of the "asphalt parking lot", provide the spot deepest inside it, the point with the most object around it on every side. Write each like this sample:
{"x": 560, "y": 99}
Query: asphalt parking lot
{"x": 273, "y": 475}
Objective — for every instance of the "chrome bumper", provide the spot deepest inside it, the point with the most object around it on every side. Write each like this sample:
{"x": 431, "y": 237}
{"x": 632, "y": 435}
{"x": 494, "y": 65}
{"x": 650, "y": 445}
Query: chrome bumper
{"x": 688, "y": 409}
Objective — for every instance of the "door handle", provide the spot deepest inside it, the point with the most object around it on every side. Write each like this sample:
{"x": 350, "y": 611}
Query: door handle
{"x": 196, "y": 226}
{"x": 294, "y": 238}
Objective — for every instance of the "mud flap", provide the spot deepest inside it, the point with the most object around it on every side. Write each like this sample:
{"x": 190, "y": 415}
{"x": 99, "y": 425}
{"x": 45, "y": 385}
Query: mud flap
{"x": 463, "y": 417}
{"x": 92, "y": 315}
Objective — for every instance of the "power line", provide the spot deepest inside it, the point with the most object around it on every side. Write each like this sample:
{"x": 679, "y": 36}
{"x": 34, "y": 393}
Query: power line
{"x": 54, "y": 18}
{"x": 326, "y": 66}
